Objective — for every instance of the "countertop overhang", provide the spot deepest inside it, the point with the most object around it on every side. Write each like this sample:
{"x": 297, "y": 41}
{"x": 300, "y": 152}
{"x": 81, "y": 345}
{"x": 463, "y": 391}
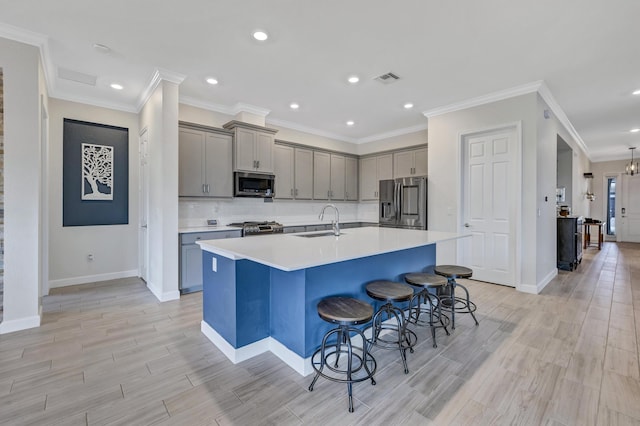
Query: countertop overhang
{"x": 291, "y": 252}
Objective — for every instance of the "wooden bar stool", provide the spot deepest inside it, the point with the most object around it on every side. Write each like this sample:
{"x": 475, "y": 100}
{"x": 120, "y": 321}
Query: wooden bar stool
{"x": 427, "y": 302}
{"x": 449, "y": 298}
{"x": 391, "y": 318}
{"x": 360, "y": 365}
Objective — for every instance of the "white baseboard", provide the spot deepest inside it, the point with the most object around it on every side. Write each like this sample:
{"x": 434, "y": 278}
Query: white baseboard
{"x": 546, "y": 280}
{"x": 9, "y": 326}
{"x": 163, "y": 296}
{"x": 92, "y": 278}
{"x": 292, "y": 359}
{"x": 301, "y": 365}
{"x": 234, "y": 355}
{"x": 537, "y": 288}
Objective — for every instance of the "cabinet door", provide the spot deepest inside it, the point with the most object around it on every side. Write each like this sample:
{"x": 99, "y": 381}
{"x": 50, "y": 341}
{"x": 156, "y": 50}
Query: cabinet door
{"x": 264, "y": 152}
{"x": 283, "y": 168}
{"x": 337, "y": 177}
{"x": 245, "y": 145}
{"x": 191, "y": 160}
{"x": 303, "y": 170}
{"x": 321, "y": 174}
{"x": 403, "y": 164}
{"x": 218, "y": 158}
{"x": 368, "y": 179}
{"x": 351, "y": 179}
{"x": 420, "y": 162}
{"x": 191, "y": 266}
{"x": 385, "y": 168}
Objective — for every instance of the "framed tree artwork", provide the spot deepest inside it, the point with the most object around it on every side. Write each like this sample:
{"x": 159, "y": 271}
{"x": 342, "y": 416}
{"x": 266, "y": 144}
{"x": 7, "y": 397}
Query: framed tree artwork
{"x": 95, "y": 176}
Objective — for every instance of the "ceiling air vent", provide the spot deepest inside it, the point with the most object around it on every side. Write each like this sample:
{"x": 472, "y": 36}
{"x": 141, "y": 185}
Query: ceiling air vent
{"x": 387, "y": 78}
{"x": 76, "y": 76}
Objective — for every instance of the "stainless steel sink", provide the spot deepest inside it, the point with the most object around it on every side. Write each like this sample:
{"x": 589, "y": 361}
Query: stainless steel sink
{"x": 317, "y": 234}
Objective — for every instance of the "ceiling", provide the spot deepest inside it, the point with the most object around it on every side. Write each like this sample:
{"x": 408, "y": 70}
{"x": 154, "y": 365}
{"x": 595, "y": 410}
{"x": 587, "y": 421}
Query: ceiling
{"x": 444, "y": 52}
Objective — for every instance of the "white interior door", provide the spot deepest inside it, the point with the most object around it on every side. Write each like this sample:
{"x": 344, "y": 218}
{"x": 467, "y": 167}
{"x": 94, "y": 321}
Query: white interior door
{"x": 143, "y": 242}
{"x": 488, "y": 212}
{"x": 630, "y": 210}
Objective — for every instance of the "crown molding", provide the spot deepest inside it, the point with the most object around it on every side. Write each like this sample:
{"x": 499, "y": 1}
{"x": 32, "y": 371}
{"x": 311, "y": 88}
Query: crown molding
{"x": 311, "y": 130}
{"x": 537, "y": 86}
{"x": 485, "y": 99}
{"x": 252, "y": 109}
{"x": 210, "y": 106}
{"x": 86, "y": 100}
{"x": 158, "y": 76}
{"x": 546, "y": 95}
{"x": 38, "y": 40}
{"x": 393, "y": 133}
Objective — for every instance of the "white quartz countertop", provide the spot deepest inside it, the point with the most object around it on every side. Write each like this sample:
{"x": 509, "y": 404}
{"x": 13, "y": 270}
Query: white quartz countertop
{"x": 217, "y": 228}
{"x": 290, "y": 252}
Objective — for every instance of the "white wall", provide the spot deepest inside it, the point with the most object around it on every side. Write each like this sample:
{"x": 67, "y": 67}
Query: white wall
{"x": 445, "y": 171}
{"x": 114, "y": 247}
{"x": 22, "y": 91}
{"x": 160, "y": 117}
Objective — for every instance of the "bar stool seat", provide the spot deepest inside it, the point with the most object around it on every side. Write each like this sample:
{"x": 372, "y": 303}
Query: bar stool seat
{"x": 391, "y": 318}
{"x": 448, "y": 296}
{"x": 426, "y": 282}
{"x": 360, "y": 365}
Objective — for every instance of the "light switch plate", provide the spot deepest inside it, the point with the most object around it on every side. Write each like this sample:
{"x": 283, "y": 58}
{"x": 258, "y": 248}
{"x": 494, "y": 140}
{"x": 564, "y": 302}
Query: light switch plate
{"x": 214, "y": 264}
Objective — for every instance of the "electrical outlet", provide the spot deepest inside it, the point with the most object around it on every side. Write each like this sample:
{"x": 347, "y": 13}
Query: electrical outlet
{"x": 214, "y": 264}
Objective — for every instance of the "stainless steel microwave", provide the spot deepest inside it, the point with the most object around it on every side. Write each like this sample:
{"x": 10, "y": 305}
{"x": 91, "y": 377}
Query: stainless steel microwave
{"x": 254, "y": 184}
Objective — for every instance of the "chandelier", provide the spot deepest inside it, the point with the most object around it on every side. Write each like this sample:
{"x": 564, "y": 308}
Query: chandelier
{"x": 632, "y": 168}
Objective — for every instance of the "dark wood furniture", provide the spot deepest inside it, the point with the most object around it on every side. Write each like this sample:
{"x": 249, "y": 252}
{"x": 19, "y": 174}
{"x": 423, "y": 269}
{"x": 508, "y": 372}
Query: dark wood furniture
{"x": 357, "y": 363}
{"x": 427, "y": 302}
{"x": 587, "y": 234}
{"x": 569, "y": 242}
{"x": 390, "y": 317}
{"x": 448, "y": 294}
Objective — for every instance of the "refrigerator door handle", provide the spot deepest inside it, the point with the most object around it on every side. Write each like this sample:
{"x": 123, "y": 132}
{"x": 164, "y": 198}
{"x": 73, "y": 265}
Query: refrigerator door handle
{"x": 397, "y": 197}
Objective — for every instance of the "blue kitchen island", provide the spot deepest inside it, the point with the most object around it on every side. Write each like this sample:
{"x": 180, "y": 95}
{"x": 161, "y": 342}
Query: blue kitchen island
{"x": 260, "y": 293}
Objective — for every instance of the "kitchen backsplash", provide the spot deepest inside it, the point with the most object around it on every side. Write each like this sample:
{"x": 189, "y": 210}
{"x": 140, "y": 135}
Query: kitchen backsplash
{"x": 196, "y": 212}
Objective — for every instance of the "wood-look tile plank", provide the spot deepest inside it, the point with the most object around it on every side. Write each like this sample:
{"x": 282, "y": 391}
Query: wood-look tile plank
{"x": 607, "y": 417}
{"x": 622, "y": 362}
{"x": 573, "y": 403}
{"x": 621, "y": 394}
{"x": 622, "y": 339}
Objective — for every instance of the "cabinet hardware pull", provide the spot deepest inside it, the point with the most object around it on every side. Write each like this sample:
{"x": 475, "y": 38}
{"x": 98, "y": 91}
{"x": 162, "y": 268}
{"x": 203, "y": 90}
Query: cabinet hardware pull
{"x": 258, "y": 164}
{"x": 296, "y": 192}
{"x": 204, "y": 188}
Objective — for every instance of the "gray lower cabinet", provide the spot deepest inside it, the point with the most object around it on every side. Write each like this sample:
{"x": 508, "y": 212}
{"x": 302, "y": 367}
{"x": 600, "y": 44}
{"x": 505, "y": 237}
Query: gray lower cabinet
{"x": 191, "y": 257}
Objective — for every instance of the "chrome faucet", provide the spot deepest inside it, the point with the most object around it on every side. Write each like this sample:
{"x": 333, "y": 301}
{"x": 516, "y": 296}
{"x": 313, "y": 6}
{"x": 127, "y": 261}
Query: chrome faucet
{"x": 335, "y": 223}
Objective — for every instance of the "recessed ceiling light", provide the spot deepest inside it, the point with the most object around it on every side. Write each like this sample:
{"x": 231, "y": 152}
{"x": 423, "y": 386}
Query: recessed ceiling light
{"x": 294, "y": 105}
{"x": 117, "y": 86}
{"x": 353, "y": 79}
{"x": 350, "y": 123}
{"x": 408, "y": 105}
{"x": 634, "y": 130}
{"x": 637, "y": 92}
{"x": 260, "y": 35}
{"x": 212, "y": 80}
{"x": 101, "y": 48}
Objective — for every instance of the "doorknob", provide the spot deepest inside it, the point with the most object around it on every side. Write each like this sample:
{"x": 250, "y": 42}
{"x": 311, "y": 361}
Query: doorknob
{"x": 466, "y": 225}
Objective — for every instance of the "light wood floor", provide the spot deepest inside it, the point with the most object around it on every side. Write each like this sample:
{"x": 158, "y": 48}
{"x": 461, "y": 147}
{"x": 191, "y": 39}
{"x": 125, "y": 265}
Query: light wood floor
{"x": 109, "y": 353}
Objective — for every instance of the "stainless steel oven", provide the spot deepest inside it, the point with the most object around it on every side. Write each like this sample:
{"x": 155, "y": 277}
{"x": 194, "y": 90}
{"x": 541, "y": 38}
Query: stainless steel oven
{"x": 254, "y": 184}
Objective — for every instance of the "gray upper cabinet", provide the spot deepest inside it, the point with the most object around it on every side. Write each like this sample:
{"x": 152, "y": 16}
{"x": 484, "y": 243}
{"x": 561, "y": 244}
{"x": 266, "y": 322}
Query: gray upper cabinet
{"x": 283, "y": 169}
{"x": 372, "y": 170}
{"x": 294, "y": 172}
{"x": 410, "y": 163}
{"x": 253, "y": 147}
{"x": 303, "y": 174}
{"x": 204, "y": 162}
{"x": 321, "y": 175}
{"x": 351, "y": 179}
{"x": 337, "y": 188}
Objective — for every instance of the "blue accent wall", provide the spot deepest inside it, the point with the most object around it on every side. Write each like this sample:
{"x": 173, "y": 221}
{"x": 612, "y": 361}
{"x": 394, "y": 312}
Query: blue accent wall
{"x": 245, "y": 301}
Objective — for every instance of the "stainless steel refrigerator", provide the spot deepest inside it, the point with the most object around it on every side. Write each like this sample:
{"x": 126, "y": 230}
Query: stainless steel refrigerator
{"x": 403, "y": 203}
